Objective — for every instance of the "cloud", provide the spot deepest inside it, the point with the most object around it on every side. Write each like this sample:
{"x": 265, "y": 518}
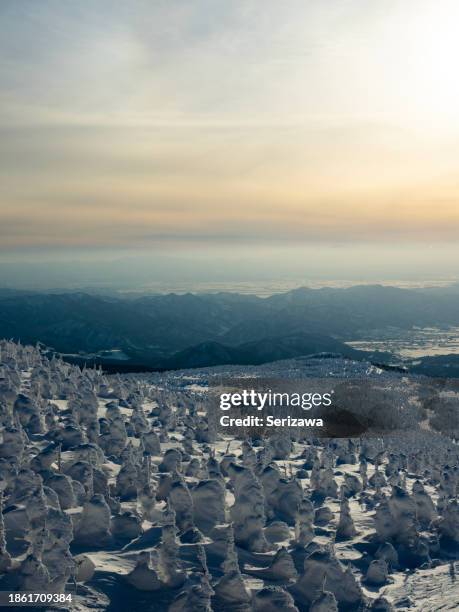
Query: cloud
{"x": 136, "y": 124}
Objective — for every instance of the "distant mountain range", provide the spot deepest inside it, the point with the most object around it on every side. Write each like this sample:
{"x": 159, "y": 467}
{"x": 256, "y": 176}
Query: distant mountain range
{"x": 259, "y": 351}
{"x": 189, "y": 330}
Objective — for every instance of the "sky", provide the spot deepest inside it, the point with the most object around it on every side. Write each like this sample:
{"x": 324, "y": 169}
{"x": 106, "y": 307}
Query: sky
{"x": 246, "y": 133}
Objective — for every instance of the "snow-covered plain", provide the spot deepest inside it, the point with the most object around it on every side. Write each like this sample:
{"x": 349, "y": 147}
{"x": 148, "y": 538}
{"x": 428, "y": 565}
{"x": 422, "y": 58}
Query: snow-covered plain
{"x": 120, "y": 490}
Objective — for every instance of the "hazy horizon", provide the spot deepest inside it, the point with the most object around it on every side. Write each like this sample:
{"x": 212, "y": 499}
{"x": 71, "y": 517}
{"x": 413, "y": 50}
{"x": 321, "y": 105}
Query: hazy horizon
{"x": 234, "y": 141}
{"x": 193, "y": 269}
{"x": 169, "y": 275}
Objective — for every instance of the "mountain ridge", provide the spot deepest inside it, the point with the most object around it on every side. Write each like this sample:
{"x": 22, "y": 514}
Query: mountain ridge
{"x": 154, "y": 330}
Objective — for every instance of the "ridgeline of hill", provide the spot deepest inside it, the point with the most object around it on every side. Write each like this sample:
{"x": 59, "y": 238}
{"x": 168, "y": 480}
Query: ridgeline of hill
{"x": 180, "y": 331}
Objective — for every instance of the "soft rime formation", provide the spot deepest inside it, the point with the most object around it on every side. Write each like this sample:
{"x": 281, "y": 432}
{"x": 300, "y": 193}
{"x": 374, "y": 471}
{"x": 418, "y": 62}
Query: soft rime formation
{"x": 325, "y": 602}
{"x": 170, "y": 568}
{"x": 449, "y": 522}
{"x": 377, "y": 573}
{"x": 5, "y": 557}
{"x": 323, "y": 569}
{"x": 248, "y": 511}
{"x": 132, "y": 469}
{"x": 345, "y": 529}
{"x": 281, "y": 568}
{"x": 144, "y": 577}
{"x": 304, "y": 530}
{"x": 273, "y": 599}
{"x": 230, "y": 590}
